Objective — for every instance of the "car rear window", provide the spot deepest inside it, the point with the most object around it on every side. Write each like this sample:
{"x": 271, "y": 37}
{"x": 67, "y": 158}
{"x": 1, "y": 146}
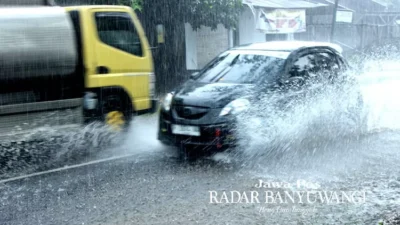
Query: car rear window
{"x": 242, "y": 67}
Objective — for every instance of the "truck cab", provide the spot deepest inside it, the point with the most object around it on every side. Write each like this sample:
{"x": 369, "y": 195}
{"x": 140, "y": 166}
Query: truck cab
{"x": 92, "y": 57}
{"x": 116, "y": 59}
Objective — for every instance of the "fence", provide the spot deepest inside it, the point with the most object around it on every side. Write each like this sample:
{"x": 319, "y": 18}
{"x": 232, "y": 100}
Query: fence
{"x": 365, "y": 31}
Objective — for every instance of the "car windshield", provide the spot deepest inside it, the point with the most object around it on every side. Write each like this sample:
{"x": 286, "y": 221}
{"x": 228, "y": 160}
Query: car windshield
{"x": 244, "y": 67}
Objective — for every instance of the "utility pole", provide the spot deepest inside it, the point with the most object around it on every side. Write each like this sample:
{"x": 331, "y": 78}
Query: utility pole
{"x": 334, "y": 20}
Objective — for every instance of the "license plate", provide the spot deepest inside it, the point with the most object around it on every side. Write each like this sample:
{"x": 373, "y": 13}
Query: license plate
{"x": 186, "y": 130}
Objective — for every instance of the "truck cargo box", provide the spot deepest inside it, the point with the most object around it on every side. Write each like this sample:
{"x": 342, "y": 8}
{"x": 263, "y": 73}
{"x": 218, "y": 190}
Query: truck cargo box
{"x": 36, "y": 41}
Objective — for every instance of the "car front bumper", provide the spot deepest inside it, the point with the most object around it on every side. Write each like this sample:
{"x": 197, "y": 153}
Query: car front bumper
{"x": 214, "y": 137}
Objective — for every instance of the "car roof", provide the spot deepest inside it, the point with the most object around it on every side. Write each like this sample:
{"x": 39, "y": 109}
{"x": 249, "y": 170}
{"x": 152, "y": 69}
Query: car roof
{"x": 288, "y": 46}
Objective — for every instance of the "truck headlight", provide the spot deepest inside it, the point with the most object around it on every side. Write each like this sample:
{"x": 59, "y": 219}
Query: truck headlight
{"x": 166, "y": 103}
{"x": 235, "y": 107}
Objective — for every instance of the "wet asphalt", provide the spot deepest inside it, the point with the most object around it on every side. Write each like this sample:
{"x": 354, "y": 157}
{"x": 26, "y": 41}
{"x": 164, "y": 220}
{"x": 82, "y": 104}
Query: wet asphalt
{"x": 148, "y": 184}
{"x": 153, "y": 186}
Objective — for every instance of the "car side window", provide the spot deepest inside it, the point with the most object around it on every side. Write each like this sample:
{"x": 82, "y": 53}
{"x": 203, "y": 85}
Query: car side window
{"x": 116, "y": 29}
{"x": 318, "y": 66}
{"x": 302, "y": 66}
{"x": 326, "y": 63}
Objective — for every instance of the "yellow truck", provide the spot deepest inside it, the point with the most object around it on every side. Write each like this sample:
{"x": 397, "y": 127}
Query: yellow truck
{"x": 93, "y": 57}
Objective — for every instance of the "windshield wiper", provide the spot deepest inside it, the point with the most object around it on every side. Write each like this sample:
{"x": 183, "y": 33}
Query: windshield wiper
{"x": 234, "y": 60}
{"x": 226, "y": 70}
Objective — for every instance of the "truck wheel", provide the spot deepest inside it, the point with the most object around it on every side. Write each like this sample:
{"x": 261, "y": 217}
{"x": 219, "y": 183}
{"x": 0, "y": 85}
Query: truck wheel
{"x": 116, "y": 112}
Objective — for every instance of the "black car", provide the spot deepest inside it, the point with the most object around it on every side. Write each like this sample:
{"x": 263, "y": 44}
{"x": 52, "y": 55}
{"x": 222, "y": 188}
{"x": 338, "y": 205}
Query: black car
{"x": 199, "y": 113}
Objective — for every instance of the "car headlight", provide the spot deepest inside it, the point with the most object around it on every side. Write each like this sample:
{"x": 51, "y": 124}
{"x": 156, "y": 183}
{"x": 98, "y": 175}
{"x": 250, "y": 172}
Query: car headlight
{"x": 166, "y": 103}
{"x": 235, "y": 107}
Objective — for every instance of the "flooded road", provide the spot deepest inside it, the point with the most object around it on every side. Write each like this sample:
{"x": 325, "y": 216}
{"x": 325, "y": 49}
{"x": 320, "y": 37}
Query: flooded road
{"x": 151, "y": 186}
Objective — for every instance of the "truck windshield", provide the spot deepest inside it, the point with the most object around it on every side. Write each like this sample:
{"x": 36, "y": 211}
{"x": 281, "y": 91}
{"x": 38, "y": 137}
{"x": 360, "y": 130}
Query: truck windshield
{"x": 242, "y": 68}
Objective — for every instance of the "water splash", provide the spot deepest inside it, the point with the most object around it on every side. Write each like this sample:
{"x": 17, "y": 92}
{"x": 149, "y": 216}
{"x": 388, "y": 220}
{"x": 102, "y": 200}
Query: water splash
{"x": 52, "y": 147}
{"x": 271, "y": 128}
{"x": 381, "y": 94}
{"x": 314, "y": 139}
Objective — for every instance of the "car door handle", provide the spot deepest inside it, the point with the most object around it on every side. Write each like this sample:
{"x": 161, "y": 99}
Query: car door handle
{"x": 102, "y": 70}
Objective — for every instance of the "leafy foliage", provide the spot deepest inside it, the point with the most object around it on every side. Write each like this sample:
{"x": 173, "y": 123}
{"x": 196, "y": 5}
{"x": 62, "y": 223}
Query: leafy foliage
{"x": 137, "y": 5}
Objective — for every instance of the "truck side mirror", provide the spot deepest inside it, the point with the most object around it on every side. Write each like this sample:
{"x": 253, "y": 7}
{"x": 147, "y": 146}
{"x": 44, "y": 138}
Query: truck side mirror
{"x": 160, "y": 34}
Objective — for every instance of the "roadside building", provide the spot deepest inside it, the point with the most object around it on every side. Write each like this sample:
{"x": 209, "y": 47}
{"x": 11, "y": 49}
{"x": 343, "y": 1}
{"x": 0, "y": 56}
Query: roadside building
{"x": 358, "y": 24}
{"x": 261, "y": 20}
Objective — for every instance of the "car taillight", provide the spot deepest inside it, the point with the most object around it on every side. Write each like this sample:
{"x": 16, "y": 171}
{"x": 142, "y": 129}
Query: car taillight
{"x": 217, "y": 132}
{"x": 218, "y": 137}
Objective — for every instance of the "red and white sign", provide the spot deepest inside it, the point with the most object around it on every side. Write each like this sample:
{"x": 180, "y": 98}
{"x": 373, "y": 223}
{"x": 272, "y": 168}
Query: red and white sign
{"x": 281, "y": 21}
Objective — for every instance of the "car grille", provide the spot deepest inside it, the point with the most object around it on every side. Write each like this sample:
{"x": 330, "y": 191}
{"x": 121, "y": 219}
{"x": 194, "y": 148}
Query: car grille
{"x": 190, "y": 112}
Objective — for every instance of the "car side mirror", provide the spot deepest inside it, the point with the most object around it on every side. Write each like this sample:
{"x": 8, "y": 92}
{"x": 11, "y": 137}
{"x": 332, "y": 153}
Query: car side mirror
{"x": 194, "y": 75}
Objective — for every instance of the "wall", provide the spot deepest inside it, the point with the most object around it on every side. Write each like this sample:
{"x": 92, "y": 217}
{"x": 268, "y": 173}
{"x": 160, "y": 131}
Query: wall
{"x": 204, "y": 44}
{"x": 191, "y": 48}
{"x": 247, "y": 29}
{"x": 211, "y": 43}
